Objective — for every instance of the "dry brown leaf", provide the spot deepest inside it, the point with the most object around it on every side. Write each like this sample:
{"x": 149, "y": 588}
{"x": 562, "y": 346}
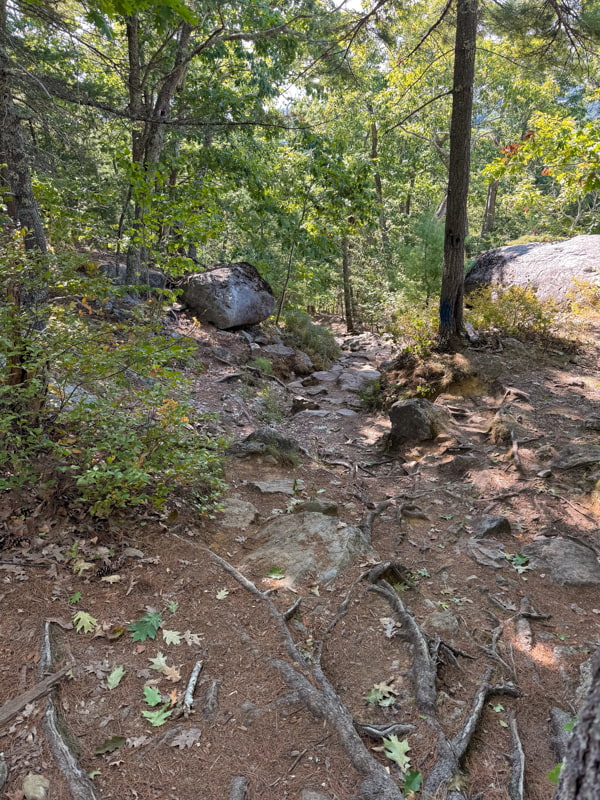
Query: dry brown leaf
{"x": 172, "y": 674}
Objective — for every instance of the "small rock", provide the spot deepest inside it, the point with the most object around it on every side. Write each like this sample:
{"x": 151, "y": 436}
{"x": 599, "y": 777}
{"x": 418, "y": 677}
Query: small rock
{"x": 279, "y": 350}
{"x": 319, "y": 505}
{"x": 442, "y": 621}
{"x": 356, "y": 379}
{"x": 300, "y": 403}
{"x": 346, "y": 412}
{"x": 310, "y": 794}
{"x": 561, "y": 737}
{"x": 489, "y": 525}
{"x": 314, "y": 413}
{"x": 414, "y": 420}
{"x": 35, "y": 787}
{"x": 283, "y": 486}
{"x": 238, "y": 513}
{"x": 327, "y": 377}
{"x": 302, "y": 363}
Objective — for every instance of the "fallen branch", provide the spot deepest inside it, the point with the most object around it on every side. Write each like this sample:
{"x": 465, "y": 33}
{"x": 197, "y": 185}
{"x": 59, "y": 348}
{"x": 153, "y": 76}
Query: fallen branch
{"x": 11, "y": 708}
{"x": 188, "y": 699}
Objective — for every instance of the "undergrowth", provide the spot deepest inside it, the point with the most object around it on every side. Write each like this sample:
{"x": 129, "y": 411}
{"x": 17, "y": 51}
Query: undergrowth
{"x": 315, "y": 340}
{"x": 90, "y": 407}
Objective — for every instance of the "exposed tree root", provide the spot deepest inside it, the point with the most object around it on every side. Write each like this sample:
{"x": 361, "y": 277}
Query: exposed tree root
{"x": 517, "y": 763}
{"x": 322, "y": 701}
{"x": 80, "y": 786}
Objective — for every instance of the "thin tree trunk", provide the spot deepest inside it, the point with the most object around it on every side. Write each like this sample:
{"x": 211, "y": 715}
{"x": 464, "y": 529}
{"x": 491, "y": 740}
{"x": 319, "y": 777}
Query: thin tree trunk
{"x": 408, "y": 201}
{"x": 20, "y": 202}
{"x": 346, "y": 261}
{"x": 451, "y": 297}
{"x": 489, "y": 216}
{"x": 385, "y": 241}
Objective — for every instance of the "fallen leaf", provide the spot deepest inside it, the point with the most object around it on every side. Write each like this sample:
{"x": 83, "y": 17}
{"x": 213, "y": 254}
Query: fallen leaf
{"x": 138, "y": 741}
{"x": 222, "y": 594}
{"x": 172, "y": 674}
{"x": 114, "y": 679}
{"x": 110, "y": 745}
{"x": 111, "y": 578}
{"x": 171, "y": 637}
{"x": 186, "y": 738}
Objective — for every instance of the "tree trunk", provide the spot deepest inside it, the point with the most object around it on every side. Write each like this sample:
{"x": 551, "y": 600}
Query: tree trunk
{"x": 580, "y": 775}
{"x": 20, "y": 202}
{"x": 451, "y": 297}
{"x": 385, "y": 241}
{"x": 489, "y": 215}
{"x": 348, "y": 310}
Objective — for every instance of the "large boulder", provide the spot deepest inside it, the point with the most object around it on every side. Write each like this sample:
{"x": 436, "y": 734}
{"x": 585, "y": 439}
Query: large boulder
{"x": 229, "y": 295}
{"x": 415, "y": 420}
{"x": 548, "y": 268}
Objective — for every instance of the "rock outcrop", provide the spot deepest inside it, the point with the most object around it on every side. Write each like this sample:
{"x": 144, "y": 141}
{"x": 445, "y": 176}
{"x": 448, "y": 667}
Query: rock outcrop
{"x": 548, "y": 268}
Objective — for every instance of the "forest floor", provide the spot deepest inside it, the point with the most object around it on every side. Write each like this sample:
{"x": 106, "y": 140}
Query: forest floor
{"x": 246, "y": 722}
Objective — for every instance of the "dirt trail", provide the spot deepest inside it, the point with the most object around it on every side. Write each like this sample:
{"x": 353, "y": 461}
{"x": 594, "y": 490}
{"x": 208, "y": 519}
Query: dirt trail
{"x": 489, "y": 610}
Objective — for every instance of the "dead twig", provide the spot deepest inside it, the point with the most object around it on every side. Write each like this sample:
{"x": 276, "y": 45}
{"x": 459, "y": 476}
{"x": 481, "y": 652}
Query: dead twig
{"x": 11, "y": 708}
{"x": 188, "y": 699}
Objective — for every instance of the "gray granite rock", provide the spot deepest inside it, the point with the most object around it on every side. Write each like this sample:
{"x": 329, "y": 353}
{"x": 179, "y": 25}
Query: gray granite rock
{"x": 577, "y": 455}
{"x": 489, "y": 525}
{"x": 238, "y": 513}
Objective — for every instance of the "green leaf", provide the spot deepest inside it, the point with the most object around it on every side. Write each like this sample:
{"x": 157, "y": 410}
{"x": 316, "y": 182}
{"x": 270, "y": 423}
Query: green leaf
{"x": 276, "y": 573}
{"x": 503, "y": 723}
{"x": 114, "y": 679}
{"x": 159, "y": 663}
{"x": 158, "y": 717}
{"x": 110, "y": 745}
{"x": 75, "y": 598}
{"x": 172, "y": 605}
{"x": 554, "y": 774}
{"x": 497, "y": 708}
{"x": 412, "y": 781}
{"x": 84, "y": 622}
{"x": 570, "y": 725}
{"x": 146, "y": 627}
{"x": 396, "y": 751}
{"x": 171, "y": 637}
{"x": 152, "y": 695}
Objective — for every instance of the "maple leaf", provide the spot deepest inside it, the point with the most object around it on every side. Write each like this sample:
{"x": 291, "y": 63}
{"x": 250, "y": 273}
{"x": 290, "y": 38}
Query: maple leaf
{"x": 145, "y": 627}
{"x": 222, "y": 594}
{"x": 84, "y": 622}
{"x": 396, "y": 751}
{"x": 186, "y": 738}
{"x": 138, "y": 741}
{"x": 114, "y": 679}
{"x": 171, "y": 637}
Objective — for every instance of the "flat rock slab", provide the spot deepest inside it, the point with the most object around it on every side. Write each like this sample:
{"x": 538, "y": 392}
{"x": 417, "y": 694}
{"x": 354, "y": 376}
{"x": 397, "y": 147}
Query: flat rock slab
{"x": 282, "y": 486}
{"x": 570, "y": 563}
{"x": 238, "y": 513}
{"x": 356, "y": 379}
{"x": 308, "y": 546}
{"x": 577, "y": 455}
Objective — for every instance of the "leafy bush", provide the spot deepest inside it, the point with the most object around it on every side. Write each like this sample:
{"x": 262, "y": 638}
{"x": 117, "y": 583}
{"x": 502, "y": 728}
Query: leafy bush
{"x": 97, "y": 404}
{"x": 414, "y": 327}
{"x": 515, "y": 310}
{"x": 315, "y": 340}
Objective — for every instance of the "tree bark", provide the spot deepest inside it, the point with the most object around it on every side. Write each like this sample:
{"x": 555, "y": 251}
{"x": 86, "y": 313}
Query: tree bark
{"x": 385, "y": 241}
{"x": 580, "y": 775}
{"x": 489, "y": 216}
{"x": 451, "y": 297}
{"x": 346, "y": 260}
{"x": 20, "y": 202}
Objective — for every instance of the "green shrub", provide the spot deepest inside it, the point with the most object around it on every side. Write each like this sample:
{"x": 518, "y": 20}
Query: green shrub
{"x": 515, "y": 310}
{"x": 316, "y": 340}
{"x": 264, "y": 365}
{"x": 94, "y": 407}
{"x": 415, "y": 328}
